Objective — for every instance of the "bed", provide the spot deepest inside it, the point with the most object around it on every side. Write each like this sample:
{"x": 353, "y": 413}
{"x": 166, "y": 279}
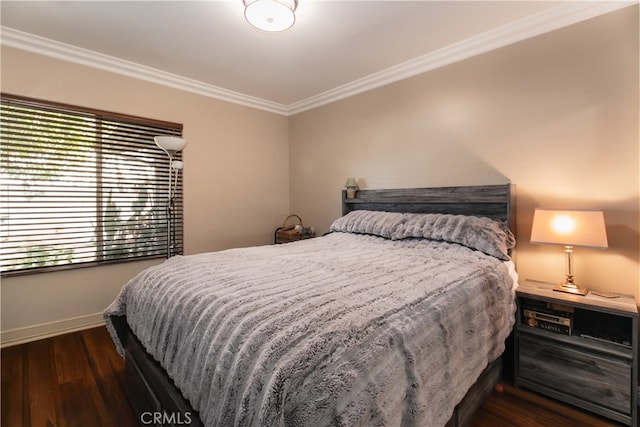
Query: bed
{"x": 398, "y": 316}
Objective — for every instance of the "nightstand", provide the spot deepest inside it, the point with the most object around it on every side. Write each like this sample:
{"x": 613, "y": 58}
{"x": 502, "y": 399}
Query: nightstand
{"x": 582, "y": 350}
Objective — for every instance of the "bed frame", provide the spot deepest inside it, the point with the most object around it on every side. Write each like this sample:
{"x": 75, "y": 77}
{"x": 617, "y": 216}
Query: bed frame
{"x": 157, "y": 400}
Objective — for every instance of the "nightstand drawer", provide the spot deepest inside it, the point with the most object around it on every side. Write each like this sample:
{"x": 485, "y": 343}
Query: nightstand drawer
{"x": 602, "y": 381}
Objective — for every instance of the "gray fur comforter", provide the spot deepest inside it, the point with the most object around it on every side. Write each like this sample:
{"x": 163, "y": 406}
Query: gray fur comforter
{"x": 361, "y": 327}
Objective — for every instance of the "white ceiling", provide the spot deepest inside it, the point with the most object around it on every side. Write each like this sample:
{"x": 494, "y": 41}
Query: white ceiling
{"x": 335, "y": 48}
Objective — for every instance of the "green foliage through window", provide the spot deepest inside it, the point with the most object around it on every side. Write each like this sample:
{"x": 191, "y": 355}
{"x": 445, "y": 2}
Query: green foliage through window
{"x": 80, "y": 187}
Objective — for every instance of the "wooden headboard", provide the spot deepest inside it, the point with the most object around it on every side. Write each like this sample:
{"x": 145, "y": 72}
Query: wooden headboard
{"x": 493, "y": 201}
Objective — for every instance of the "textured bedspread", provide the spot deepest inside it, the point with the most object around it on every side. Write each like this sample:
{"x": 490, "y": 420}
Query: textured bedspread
{"x": 346, "y": 329}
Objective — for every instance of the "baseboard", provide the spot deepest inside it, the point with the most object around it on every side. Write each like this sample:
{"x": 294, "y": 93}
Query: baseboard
{"x": 46, "y": 330}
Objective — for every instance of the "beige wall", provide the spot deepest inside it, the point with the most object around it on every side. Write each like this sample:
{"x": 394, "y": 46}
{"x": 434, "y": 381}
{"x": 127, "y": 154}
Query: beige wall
{"x": 556, "y": 115}
{"x": 236, "y": 180}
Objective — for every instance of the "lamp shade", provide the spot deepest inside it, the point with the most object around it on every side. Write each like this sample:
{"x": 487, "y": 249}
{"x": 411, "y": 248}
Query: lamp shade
{"x": 569, "y": 228}
{"x": 170, "y": 143}
{"x": 270, "y": 15}
{"x": 351, "y": 183}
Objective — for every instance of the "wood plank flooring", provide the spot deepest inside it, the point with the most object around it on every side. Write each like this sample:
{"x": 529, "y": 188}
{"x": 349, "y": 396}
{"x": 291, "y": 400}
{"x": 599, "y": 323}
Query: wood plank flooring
{"x": 74, "y": 379}
{"x": 77, "y": 380}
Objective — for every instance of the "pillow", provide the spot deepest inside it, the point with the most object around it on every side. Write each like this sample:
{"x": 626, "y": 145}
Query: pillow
{"x": 378, "y": 223}
{"x": 479, "y": 233}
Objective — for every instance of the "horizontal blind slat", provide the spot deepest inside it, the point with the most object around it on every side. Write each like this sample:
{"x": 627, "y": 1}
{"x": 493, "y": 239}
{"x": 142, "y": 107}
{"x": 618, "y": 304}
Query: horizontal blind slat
{"x": 81, "y": 187}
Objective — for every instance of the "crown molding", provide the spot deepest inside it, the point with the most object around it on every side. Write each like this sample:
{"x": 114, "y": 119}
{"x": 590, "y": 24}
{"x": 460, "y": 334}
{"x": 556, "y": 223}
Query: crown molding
{"x": 47, "y": 47}
{"x": 554, "y": 18}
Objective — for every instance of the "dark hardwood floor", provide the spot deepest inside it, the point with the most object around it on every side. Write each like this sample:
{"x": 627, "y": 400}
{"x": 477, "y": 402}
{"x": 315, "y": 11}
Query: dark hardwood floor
{"x": 74, "y": 379}
{"x": 77, "y": 380}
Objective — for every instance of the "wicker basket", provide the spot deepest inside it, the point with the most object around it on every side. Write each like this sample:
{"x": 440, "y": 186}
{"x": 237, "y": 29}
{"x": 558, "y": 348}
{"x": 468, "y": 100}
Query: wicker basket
{"x": 289, "y": 232}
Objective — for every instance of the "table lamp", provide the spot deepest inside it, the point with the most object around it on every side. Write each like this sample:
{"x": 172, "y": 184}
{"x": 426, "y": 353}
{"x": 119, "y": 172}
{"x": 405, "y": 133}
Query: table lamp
{"x": 352, "y": 187}
{"x": 569, "y": 228}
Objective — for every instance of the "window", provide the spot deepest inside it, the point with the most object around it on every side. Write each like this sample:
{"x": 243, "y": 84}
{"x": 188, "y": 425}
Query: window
{"x": 81, "y": 187}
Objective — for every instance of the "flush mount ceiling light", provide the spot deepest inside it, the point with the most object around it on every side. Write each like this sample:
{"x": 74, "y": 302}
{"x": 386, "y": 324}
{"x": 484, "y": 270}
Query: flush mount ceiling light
{"x": 270, "y": 15}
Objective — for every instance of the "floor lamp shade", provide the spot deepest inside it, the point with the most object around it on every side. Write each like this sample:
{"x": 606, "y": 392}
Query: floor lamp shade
{"x": 170, "y": 144}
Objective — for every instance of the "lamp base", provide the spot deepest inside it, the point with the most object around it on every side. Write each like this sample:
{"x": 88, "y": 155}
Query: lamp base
{"x": 571, "y": 289}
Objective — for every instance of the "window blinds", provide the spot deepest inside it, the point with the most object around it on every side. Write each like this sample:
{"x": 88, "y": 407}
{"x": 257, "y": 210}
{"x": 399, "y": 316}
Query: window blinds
{"x": 81, "y": 187}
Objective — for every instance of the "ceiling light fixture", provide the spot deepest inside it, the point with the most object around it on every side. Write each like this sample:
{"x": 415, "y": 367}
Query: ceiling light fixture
{"x": 270, "y": 15}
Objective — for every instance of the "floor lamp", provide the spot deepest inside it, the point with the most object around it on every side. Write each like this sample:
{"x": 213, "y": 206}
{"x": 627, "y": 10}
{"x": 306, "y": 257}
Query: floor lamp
{"x": 171, "y": 145}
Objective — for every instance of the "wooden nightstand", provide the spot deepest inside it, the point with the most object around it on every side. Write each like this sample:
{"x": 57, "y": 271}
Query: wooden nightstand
{"x": 582, "y": 350}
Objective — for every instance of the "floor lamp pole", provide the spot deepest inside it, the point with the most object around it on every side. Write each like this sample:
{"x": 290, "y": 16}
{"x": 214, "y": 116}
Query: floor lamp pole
{"x": 171, "y": 145}
{"x": 170, "y": 211}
